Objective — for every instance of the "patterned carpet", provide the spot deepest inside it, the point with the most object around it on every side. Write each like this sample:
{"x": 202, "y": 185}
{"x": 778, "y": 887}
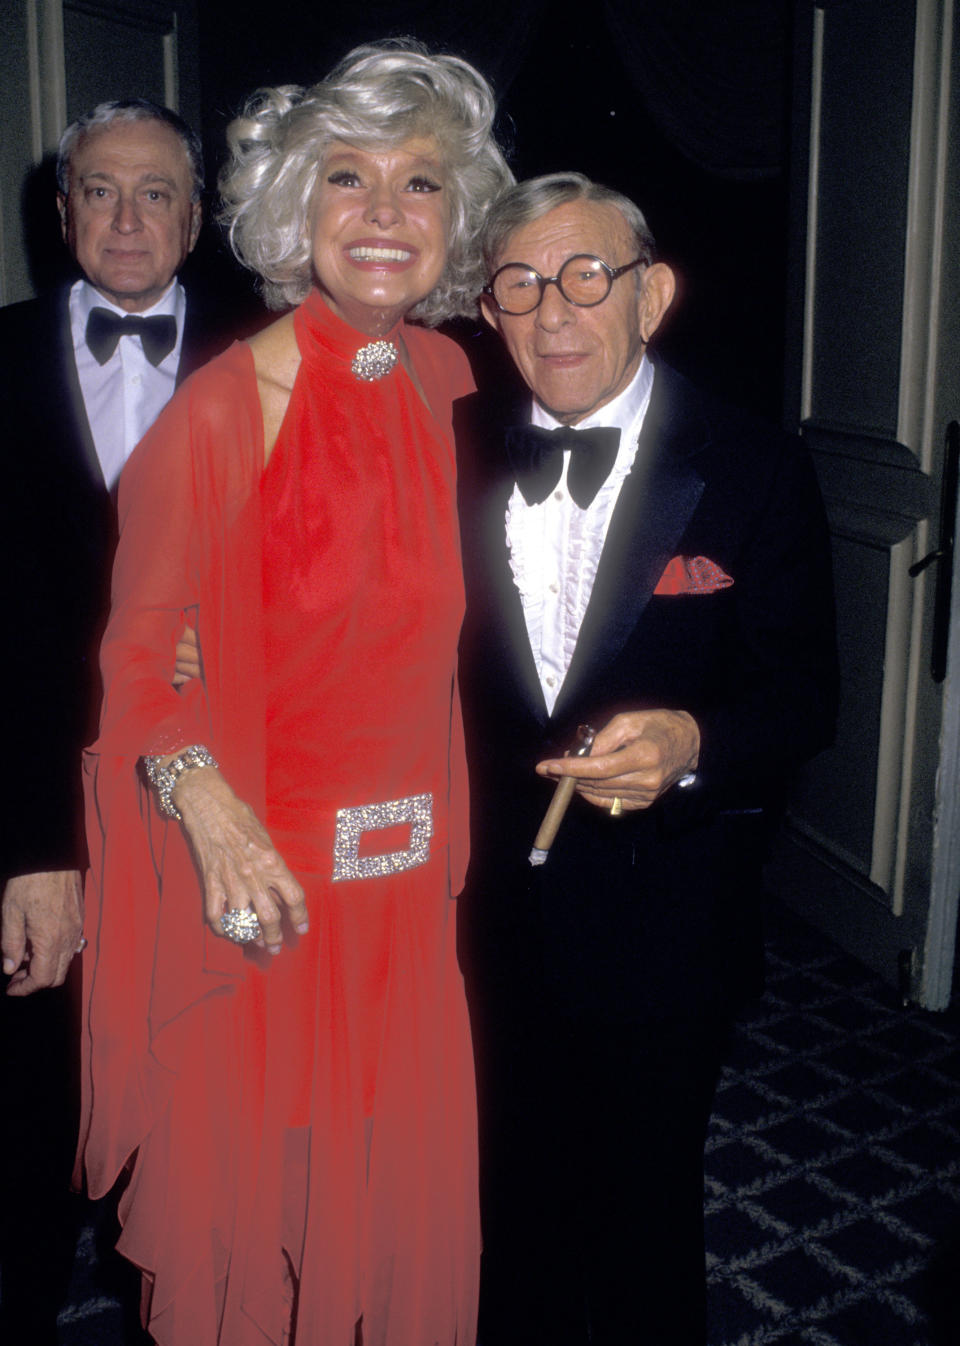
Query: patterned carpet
{"x": 833, "y": 1164}
{"x": 833, "y": 1171}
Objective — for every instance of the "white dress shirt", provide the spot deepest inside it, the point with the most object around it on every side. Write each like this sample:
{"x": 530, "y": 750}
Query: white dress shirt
{"x": 126, "y": 395}
{"x": 555, "y": 546}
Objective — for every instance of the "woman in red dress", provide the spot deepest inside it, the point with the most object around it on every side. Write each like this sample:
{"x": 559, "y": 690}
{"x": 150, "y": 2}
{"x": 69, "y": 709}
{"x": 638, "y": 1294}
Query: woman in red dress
{"x": 277, "y": 1041}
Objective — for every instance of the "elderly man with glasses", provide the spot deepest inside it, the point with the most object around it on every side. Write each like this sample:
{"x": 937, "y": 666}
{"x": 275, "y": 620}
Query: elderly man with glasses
{"x": 649, "y": 589}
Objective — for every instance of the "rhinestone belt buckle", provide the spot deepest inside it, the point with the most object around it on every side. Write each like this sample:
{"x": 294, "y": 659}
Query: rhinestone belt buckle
{"x": 352, "y": 823}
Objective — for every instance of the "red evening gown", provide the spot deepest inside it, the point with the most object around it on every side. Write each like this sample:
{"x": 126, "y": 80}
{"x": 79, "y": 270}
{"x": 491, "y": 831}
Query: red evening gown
{"x": 305, "y": 1124}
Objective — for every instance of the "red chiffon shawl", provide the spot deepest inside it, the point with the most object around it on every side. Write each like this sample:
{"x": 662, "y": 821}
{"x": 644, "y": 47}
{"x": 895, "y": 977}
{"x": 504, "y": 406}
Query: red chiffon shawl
{"x": 182, "y": 1030}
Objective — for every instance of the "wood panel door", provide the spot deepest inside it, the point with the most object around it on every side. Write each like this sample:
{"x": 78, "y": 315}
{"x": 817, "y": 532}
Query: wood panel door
{"x": 872, "y": 851}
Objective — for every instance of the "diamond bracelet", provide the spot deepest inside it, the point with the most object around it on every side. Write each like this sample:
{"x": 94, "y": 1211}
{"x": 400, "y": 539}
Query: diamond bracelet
{"x": 164, "y": 778}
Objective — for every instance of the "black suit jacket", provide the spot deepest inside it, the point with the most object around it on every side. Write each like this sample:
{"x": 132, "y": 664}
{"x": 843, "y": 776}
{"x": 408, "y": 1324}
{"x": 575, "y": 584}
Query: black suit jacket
{"x": 653, "y": 915}
{"x": 57, "y": 538}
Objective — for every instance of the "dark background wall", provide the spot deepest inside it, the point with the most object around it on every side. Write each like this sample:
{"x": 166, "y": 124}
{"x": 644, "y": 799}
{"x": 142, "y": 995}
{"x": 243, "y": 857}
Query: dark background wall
{"x": 682, "y": 108}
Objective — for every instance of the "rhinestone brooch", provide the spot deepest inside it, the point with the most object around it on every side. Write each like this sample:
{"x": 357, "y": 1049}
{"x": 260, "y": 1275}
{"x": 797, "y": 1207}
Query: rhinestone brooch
{"x": 374, "y": 361}
{"x": 241, "y": 926}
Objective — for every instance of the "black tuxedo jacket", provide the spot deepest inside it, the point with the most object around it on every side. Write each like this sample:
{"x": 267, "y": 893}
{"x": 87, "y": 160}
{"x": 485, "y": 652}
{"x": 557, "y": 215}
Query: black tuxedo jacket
{"x": 57, "y": 538}
{"x": 654, "y": 915}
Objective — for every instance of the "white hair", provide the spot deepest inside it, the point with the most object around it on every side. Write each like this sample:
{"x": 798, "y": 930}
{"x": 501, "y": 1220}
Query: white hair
{"x": 530, "y": 200}
{"x": 379, "y": 95}
{"x": 130, "y": 110}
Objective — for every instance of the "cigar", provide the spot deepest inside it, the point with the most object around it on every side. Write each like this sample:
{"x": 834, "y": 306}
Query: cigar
{"x": 562, "y": 795}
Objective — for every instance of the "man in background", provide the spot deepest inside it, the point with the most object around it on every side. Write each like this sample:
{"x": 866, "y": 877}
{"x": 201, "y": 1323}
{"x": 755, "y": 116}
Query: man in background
{"x": 84, "y": 371}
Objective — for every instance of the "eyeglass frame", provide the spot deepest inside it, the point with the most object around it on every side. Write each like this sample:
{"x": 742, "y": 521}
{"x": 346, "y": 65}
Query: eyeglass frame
{"x": 612, "y": 272}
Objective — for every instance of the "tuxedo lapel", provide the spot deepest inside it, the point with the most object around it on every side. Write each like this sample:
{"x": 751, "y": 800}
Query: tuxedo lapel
{"x": 519, "y": 660}
{"x": 195, "y": 346}
{"x": 655, "y": 505}
{"x": 76, "y": 442}
{"x": 210, "y": 325}
{"x": 485, "y": 486}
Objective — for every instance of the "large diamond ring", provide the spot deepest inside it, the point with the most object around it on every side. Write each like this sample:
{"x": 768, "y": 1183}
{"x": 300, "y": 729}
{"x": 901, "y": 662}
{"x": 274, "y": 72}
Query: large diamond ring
{"x": 241, "y": 926}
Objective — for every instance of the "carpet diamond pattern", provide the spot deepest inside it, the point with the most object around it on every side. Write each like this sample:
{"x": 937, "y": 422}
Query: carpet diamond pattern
{"x": 833, "y": 1162}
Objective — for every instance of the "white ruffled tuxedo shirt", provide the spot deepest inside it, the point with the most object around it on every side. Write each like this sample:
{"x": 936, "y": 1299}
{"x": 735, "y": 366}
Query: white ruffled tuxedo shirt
{"x": 555, "y": 546}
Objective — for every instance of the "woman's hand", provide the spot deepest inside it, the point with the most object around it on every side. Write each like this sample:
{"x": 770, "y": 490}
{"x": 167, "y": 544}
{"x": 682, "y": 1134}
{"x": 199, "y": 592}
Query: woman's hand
{"x": 238, "y": 864}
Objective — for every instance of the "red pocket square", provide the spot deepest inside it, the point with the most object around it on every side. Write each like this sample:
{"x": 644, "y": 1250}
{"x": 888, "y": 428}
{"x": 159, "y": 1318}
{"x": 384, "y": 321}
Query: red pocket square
{"x": 692, "y": 575}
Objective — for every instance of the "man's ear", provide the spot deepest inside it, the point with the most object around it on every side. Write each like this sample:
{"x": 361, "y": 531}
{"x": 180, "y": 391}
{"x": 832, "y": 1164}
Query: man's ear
{"x": 659, "y": 285}
{"x": 490, "y": 311}
{"x": 62, "y": 211}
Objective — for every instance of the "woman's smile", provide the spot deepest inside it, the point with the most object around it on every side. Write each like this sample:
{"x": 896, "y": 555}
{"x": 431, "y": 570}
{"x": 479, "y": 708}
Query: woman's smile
{"x": 380, "y": 222}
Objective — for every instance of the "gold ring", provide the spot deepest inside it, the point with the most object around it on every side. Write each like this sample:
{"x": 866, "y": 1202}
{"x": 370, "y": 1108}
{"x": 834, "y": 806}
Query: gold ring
{"x": 616, "y": 808}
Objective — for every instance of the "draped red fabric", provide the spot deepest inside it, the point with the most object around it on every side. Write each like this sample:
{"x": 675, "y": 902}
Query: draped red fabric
{"x": 306, "y": 1120}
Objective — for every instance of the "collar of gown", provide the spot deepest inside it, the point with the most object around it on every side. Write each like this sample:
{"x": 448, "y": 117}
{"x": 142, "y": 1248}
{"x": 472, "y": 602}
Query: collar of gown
{"x": 332, "y": 333}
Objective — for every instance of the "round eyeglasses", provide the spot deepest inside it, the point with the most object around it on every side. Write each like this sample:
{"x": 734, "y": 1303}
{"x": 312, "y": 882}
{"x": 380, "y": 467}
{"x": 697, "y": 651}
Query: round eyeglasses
{"x": 583, "y": 280}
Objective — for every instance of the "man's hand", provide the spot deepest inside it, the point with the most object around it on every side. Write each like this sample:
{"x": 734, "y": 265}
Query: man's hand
{"x": 187, "y": 657}
{"x": 635, "y": 758}
{"x": 41, "y": 923}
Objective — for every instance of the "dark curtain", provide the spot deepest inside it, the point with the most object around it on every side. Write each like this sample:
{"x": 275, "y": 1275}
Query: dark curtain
{"x": 679, "y": 105}
{"x": 710, "y": 77}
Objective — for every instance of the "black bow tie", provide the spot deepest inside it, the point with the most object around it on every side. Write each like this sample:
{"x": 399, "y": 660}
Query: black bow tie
{"x": 536, "y": 456}
{"x": 104, "y": 330}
